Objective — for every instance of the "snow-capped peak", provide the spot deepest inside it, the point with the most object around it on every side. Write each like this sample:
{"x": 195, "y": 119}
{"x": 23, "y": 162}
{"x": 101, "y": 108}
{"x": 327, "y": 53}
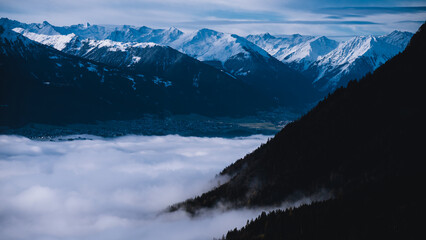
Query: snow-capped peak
{"x": 173, "y": 30}
{"x": 210, "y": 45}
{"x": 207, "y": 33}
{"x": 266, "y": 36}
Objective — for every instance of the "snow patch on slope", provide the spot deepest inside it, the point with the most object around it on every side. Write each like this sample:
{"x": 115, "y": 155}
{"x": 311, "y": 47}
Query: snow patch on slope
{"x": 133, "y": 82}
{"x": 159, "y": 81}
{"x": 135, "y": 59}
{"x": 117, "y": 46}
{"x": 58, "y": 42}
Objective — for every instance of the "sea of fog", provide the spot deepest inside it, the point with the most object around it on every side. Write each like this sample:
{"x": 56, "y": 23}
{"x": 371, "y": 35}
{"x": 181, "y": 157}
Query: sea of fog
{"x": 87, "y": 187}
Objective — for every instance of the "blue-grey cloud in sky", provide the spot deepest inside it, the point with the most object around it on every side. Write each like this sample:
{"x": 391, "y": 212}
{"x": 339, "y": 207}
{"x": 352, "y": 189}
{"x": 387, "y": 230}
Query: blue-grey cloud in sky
{"x": 323, "y": 22}
{"x": 328, "y": 17}
{"x": 366, "y": 11}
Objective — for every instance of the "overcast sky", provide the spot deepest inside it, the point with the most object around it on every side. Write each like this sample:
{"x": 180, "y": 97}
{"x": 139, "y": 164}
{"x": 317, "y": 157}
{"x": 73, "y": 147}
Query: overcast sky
{"x": 310, "y": 17}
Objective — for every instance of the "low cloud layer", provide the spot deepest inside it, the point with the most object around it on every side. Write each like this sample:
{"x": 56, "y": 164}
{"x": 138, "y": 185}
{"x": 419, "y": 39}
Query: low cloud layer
{"x": 101, "y": 188}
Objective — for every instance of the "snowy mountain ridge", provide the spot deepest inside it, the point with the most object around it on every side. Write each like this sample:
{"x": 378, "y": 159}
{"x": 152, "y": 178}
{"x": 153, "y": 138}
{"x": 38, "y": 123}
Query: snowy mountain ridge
{"x": 204, "y": 44}
{"x": 60, "y": 42}
{"x": 210, "y": 45}
{"x": 354, "y": 58}
{"x": 382, "y": 46}
{"x": 329, "y": 63}
{"x": 96, "y": 50}
{"x": 294, "y": 48}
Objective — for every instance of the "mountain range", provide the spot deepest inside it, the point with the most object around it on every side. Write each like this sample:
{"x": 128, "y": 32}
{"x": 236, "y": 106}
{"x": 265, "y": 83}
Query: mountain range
{"x": 42, "y": 84}
{"x": 257, "y": 72}
{"x": 234, "y": 55}
{"x": 324, "y": 62}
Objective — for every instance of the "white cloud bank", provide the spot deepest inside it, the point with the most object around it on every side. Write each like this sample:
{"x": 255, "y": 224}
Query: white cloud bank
{"x": 113, "y": 188}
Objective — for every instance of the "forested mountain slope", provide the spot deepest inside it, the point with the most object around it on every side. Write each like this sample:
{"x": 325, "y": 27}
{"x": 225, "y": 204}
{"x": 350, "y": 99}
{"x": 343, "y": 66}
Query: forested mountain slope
{"x": 369, "y": 133}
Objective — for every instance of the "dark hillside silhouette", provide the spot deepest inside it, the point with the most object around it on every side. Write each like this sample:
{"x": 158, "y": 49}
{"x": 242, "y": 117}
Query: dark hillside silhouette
{"x": 370, "y": 133}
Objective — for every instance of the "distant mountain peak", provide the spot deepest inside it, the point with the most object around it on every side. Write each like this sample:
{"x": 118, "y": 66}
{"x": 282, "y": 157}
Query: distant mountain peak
{"x": 173, "y": 29}
{"x": 83, "y": 26}
{"x": 144, "y": 28}
{"x": 266, "y": 35}
{"x": 397, "y": 32}
{"x": 205, "y": 32}
{"x": 173, "y": 32}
